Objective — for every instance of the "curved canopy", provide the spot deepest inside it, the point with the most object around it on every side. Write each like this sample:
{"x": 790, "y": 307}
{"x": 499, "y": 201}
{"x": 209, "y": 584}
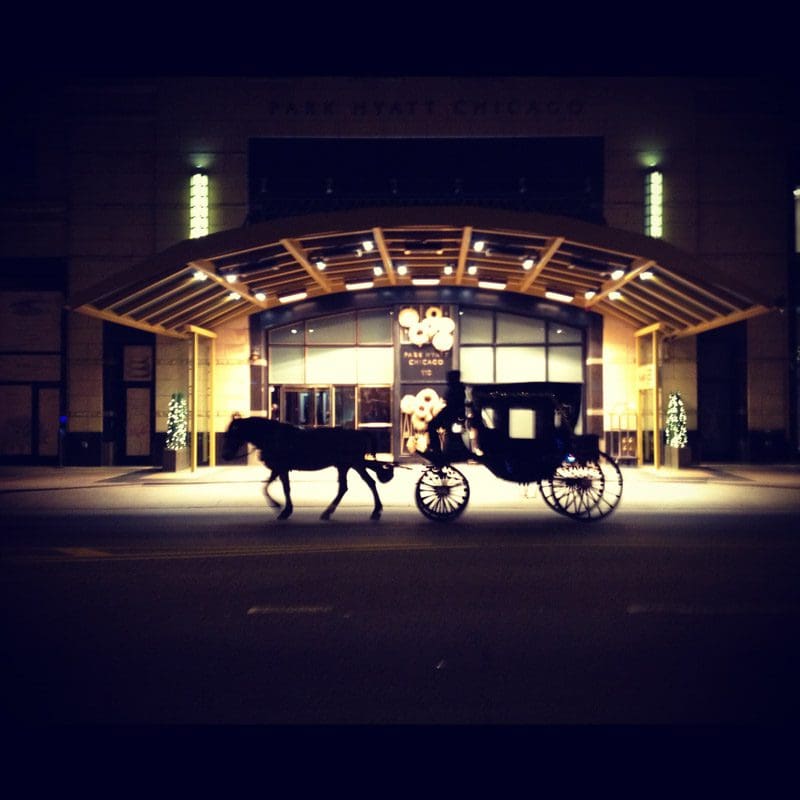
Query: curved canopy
{"x": 202, "y": 283}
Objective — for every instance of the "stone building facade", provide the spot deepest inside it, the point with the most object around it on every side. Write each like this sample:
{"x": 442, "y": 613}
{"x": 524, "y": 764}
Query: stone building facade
{"x": 99, "y": 187}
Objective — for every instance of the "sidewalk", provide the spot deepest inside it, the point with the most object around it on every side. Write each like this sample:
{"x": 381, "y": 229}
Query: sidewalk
{"x": 48, "y": 489}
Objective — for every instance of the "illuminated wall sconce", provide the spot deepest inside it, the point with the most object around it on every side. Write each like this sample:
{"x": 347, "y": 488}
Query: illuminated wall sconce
{"x": 320, "y": 264}
{"x": 377, "y": 271}
{"x": 291, "y": 298}
{"x": 354, "y": 287}
{"x": 448, "y": 270}
{"x": 654, "y": 204}
{"x": 402, "y": 269}
{"x": 260, "y": 296}
{"x": 199, "y": 275}
{"x": 478, "y": 246}
{"x": 198, "y": 205}
{"x": 491, "y": 285}
{"x": 647, "y": 275}
{"x": 560, "y": 296}
{"x": 615, "y": 295}
{"x": 617, "y": 274}
{"x": 589, "y": 295}
{"x": 425, "y": 281}
{"x": 472, "y": 270}
{"x": 528, "y": 264}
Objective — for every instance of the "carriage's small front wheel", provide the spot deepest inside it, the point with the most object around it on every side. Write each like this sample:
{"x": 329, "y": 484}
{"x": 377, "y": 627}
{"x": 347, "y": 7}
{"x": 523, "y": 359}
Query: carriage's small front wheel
{"x": 442, "y": 493}
{"x": 586, "y": 490}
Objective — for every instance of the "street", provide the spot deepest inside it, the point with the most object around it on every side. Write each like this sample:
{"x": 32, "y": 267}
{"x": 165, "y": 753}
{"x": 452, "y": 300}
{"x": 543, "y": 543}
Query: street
{"x": 221, "y": 615}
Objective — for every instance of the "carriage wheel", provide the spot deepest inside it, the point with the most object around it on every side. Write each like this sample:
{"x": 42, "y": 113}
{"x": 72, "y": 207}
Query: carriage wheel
{"x": 442, "y": 493}
{"x": 585, "y": 491}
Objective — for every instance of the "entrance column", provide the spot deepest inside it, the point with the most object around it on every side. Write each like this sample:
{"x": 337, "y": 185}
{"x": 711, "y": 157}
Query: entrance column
{"x": 648, "y": 342}
{"x": 195, "y": 393}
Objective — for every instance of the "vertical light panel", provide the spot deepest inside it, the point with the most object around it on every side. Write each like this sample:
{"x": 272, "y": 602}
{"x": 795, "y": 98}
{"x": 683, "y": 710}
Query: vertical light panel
{"x": 198, "y": 206}
{"x": 654, "y": 204}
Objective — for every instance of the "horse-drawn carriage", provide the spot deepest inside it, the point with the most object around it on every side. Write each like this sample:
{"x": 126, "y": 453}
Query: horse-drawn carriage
{"x": 523, "y": 432}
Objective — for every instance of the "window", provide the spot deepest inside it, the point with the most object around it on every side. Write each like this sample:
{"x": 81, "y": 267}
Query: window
{"x": 514, "y": 364}
{"x": 476, "y": 327}
{"x": 332, "y": 330}
{"x": 510, "y": 348}
{"x": 514, "y": 329}
{"x": 521, "y": 423}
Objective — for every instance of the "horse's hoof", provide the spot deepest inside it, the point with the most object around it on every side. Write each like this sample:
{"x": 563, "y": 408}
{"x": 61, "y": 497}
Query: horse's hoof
{"x": 284, "y": 514}
{"x": 375, "y": 515}
{"x": 324, "y": 515}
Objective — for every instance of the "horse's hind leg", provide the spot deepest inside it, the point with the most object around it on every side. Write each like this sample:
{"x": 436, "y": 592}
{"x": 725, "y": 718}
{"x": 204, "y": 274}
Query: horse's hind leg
{"x": 367, "y": 478}
{"x": 326, "y": 514}
{"x": 270, "y": 499}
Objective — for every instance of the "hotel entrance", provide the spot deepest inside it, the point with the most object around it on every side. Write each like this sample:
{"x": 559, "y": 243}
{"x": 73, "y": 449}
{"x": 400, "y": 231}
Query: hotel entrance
{"x": 341, "y": 406}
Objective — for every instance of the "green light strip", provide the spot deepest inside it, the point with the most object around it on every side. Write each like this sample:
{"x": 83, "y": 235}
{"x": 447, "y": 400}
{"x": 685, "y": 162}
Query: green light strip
{"x": 654, "y": 204}
{"x": 198, "y": 206}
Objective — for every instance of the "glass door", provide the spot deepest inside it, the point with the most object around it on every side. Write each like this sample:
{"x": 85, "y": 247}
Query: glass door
{"x": 307, "y": 406}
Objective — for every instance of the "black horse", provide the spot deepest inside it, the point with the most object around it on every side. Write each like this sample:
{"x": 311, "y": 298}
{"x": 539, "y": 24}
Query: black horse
{"x": 286, "y": 447}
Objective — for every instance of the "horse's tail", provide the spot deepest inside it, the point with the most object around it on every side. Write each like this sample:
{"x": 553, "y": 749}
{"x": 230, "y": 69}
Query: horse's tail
{"x": 384, "y": 471}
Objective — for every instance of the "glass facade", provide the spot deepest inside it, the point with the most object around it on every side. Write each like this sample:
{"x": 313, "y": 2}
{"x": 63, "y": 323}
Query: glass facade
{"x": 385, "y": 369}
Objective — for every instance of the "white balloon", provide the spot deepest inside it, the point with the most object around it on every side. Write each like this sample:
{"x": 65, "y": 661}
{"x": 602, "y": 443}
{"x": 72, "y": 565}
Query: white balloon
{"x": 443, "y": 341}
{"x": 408, "y": 317}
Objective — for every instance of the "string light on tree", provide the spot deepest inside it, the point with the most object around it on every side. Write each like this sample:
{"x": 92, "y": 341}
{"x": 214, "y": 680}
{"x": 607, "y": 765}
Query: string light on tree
{"x": 177, "y": 422}
{"x": 676, "y": 430}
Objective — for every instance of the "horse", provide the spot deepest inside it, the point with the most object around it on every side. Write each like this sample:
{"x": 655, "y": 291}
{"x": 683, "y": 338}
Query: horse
{"x": 285, "y": 447}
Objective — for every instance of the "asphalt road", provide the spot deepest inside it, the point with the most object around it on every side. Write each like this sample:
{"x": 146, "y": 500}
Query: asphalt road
{"x": 143, "y": 614}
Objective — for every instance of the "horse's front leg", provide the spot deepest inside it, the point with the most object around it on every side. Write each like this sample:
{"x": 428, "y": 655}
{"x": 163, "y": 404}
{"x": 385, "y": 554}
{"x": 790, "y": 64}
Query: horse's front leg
{"x": 287, "y": 512}
{"x": 326, "y": 514}
{"x": 376, "y": 511}
{"x": 270, "y": 499}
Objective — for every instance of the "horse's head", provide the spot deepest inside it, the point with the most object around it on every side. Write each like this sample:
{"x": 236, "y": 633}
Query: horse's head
{"x": 235, "y": 438}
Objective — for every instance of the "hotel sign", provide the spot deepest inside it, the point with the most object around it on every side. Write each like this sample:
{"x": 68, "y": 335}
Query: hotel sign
{"x": 424, "y": 364}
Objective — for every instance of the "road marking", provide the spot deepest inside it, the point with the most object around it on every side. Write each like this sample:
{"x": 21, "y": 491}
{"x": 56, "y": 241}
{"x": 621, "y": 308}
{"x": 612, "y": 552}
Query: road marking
{"x": 72, "y": 554}
{"x": 257, "y": 610}
{"x": 688, "y": 610}
{"x": 83, "y": 552}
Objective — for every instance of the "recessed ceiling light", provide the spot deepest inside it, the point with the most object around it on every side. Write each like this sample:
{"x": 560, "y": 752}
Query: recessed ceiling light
{"x": 291, "y": 298}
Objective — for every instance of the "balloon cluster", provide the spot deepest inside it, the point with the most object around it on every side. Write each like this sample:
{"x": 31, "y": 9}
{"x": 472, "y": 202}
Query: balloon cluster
{"x": 421, "y": 408}
{"x": 433, "y": 328}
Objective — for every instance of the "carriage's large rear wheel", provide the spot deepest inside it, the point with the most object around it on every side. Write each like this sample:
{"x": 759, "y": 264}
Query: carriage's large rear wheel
{"x": 585, "y": 490}
{"x": 442, "y": 493}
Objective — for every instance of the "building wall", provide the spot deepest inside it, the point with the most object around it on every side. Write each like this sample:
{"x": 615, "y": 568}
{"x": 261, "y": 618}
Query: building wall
{"x": 111, "y": 188}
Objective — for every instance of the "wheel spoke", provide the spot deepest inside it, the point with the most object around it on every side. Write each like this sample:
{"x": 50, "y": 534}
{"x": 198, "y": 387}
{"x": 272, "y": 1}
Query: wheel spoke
{"x": 442, "y": 494}
{"x": 587, "y": 491}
